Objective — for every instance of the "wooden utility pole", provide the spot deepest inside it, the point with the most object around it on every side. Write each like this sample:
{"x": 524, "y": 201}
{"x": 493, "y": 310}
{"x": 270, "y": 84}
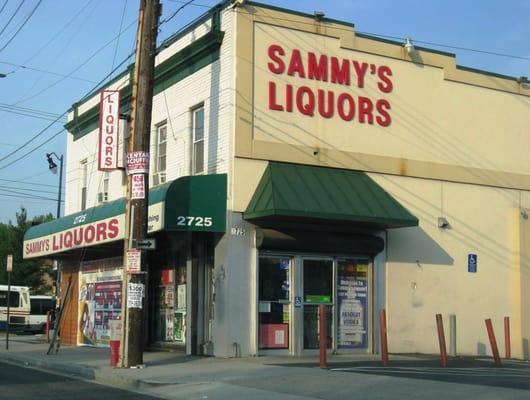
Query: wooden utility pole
{"x": 134, "y": 282}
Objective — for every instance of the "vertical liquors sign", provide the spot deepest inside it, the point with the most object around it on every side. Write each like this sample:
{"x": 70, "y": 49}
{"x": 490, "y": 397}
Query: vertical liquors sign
{"x": 109, "y": 117}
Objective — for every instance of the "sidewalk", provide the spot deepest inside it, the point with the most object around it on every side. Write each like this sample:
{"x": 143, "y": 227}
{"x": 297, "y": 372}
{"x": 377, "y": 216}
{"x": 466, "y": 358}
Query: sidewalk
{"x": 176, "y": 376}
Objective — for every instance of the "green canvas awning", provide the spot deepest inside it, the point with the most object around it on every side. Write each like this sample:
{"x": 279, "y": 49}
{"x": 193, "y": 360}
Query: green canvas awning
{"x": 301, "y": 192}
{"x": 190, "y": 203}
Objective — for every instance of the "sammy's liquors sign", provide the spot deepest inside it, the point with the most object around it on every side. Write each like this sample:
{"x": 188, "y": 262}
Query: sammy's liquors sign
{"x": 82, "y": 235}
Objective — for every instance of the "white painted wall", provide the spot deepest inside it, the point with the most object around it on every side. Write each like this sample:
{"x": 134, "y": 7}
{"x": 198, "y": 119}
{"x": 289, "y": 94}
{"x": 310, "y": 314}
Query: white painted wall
{"x": 212, "y": 85}
{"x": 427, "y": 273}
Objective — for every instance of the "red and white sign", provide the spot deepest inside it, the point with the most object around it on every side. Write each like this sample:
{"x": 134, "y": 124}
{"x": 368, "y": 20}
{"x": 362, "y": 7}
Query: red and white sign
{"x": 9, "y": 266}
{"x": 138, "y": 162}
{"x": 138, "y": 186}
{"x": 133, "y": 261}
{"x": 106, "y": 230}
{"x": 109, "y": 117}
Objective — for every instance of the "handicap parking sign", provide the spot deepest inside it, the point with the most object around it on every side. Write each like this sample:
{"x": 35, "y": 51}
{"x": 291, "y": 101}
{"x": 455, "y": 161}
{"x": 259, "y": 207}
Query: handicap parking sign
{"x": 298, "y": 301}
{"x": 472, "y": 261}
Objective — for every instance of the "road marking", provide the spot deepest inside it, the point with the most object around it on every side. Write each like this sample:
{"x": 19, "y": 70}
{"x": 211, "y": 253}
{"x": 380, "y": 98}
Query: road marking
{"x": 477, "y": 372}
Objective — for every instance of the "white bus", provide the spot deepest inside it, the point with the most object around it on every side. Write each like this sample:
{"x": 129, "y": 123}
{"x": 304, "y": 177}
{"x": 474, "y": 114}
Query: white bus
{"x": 40, "y": 306}
{"x": 19, "y": 308}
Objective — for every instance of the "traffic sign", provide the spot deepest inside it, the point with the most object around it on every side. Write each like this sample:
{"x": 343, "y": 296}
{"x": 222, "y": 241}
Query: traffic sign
{"x": 146, "y": 244}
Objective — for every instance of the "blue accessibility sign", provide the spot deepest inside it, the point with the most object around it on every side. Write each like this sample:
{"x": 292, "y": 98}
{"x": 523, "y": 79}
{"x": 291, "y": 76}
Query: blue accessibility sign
{"x": 472, "y": 262}
{"x": 298, "y": 301}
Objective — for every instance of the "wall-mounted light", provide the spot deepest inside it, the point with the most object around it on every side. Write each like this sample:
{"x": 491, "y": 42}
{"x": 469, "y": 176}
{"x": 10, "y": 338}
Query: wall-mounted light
{"x": 409, "y": 47}
{"x": 443, "y": 223}
{"x": 524, "y": 213}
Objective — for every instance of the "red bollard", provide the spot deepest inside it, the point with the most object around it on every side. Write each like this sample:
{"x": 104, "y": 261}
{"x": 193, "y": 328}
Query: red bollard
{"x": 507, "y": 346}
{"x": 493, "y": 342}
{"x": 441, "y": 340}
{"x": 323, "y": 336}
{"x": 384, "y": 343}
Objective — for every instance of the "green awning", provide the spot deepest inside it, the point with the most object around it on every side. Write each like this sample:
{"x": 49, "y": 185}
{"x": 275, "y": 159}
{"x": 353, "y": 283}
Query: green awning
{"x": 303, "y": 192}
{"x": 190, "y": 203}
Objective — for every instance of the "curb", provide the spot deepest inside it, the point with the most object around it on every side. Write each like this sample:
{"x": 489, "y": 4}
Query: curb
{"x": 89, "y": 373}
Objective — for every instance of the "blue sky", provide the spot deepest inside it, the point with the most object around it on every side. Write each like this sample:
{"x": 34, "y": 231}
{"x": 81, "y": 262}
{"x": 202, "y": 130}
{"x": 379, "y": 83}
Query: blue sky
{"x": 68, "y": 46}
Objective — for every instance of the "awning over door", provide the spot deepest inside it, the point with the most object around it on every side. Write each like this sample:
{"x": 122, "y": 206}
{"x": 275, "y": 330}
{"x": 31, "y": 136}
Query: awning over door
{"x": 289, "y": 192}
{"x": 190, "y": 203}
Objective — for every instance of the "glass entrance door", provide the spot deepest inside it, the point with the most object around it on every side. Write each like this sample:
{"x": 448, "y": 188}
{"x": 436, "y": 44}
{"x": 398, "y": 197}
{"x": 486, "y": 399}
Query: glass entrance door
{"x": 317, "y": 289}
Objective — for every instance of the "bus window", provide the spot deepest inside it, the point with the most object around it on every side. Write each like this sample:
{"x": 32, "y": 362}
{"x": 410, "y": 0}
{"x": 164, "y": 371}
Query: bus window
{"x": 14, "y": 299}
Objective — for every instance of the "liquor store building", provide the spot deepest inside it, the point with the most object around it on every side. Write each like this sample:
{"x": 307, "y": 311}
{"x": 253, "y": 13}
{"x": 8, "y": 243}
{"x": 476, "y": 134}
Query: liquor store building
{"x": 296, "y": 162}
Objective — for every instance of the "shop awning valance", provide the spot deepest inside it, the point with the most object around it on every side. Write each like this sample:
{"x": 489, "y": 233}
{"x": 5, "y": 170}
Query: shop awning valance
{"x": 289, "y": 192}
{"x": 190, "y": 203}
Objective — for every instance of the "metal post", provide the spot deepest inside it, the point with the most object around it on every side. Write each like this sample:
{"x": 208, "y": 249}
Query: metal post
{"x": 493, "y": 343}
{"x": 323, "y": 336}
{"x": 452, "y": 335}
{"x": 8, "y": 307}
{"x": 60, "y": 186}
{"x": 384, "y": 343}
{"x": 507, "y": 345}
{"x": 441, "y": 340}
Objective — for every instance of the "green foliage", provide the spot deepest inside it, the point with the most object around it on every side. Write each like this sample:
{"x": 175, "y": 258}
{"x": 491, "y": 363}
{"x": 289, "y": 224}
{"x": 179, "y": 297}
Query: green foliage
{"x": 25, "y": 272}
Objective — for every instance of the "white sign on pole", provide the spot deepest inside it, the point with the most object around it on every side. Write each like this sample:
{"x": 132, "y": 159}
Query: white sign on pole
{"x": 137, "y": 162}
{"x": 135, "y": 294}
{"x": 109, "y": 117}
{"x": 9, "y": 263}
{"x": 133, "y": 261}
{"x": 138, "y": 186}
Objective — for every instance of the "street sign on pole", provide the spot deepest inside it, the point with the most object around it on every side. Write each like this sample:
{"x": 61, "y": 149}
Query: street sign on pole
{"x": 146, "y": 244}
{"x": 9, "y": 263}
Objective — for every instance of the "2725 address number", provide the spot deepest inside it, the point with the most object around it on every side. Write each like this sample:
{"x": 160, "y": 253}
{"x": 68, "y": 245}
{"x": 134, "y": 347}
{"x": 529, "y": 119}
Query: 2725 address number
{"x": 194, "y": 221}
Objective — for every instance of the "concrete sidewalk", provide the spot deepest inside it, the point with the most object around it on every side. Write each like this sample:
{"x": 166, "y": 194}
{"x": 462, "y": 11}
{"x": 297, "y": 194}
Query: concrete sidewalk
{"x": 176, "y": 376}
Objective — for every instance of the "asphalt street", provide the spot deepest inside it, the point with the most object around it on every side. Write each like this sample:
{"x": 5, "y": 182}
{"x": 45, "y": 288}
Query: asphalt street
{"x": 19, "y": 383}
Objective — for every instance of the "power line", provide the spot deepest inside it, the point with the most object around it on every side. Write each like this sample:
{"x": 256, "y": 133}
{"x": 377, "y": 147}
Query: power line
{"x": 78, "y": 67}
{"x": 27, "y": 183}
{"x": 28, "y": 113}
{"x": 47, "y": 127}
{"x": 26, "y": 195}
{"x": 41, "y": 48}
{"x": 12, "y": 16}
{"x": 21, "y": 66}
{"x": 447, "y": 46}
{"x": 26, "y": 189}
{"x": 22, "y": 26}
{"x": 29, "y": 110}
{"x": 118, "y": 40}
{"x": 176, "y": 12}
{"x": 4, "y": 6}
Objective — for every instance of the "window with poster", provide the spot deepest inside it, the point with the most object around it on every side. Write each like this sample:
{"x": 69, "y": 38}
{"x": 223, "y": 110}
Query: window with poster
{"x": 353, "y": 302}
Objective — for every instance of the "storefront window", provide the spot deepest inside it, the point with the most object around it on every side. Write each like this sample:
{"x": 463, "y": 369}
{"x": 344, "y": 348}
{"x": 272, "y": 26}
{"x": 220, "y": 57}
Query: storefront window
{"x": 352, "y": 299}
{"x": 274, "y": 307}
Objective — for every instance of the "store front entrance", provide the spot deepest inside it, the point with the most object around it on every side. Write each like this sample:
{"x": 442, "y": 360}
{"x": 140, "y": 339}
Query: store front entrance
{"x": 291, "y": 289}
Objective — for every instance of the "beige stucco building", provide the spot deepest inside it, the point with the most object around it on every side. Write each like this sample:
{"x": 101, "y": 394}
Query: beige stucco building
{"x": 294, "y": 163}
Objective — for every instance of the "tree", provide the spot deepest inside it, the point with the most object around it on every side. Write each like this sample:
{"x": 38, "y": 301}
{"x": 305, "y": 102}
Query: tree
{"x": 25, "y": 272}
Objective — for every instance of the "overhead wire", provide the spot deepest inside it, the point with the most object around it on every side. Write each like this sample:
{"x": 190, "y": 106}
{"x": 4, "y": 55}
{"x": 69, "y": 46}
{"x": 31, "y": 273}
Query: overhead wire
{"x": 119, "y": 30}
{"x": 26, "y": 112}
{"x": 21, "y": 66}
{"x": 49, "y": 125}
{"x": 12, "y": 17}
{"x": 22, "y": 26}
{"x": 79, "y": 66}
{"x": 4, "y": 6}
